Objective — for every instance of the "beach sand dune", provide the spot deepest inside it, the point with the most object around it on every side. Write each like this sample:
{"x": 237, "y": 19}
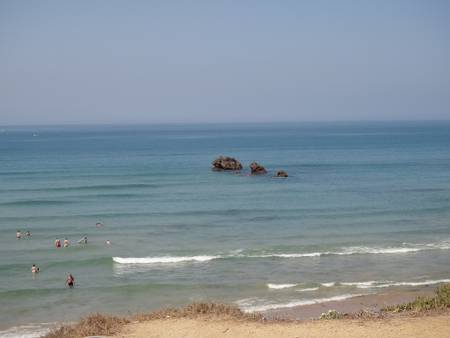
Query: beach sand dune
{"x": 425, "y": 326}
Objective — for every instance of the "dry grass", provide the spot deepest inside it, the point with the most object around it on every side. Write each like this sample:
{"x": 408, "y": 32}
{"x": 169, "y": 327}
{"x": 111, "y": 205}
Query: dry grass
{"x": 95, "y": 324}
{"x": 195, "y": 310}
{"x": 98, "y": 324}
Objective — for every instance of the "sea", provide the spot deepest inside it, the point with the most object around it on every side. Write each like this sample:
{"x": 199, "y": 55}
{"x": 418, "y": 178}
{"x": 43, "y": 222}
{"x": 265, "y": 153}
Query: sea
{"x": 365, "y": 209}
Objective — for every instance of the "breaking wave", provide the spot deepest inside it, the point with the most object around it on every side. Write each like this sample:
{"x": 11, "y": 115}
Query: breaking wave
{"x": 360, "y": 285}
{"x": 163, "y": 260}
{"x": 280, "y": 286}
{"x": 353, "y": 250}
{"x": 28, "y": 330}
{"x": 247, "y": 306}
{"x": 386, "y": 284}
{"x": 307, "y": 289}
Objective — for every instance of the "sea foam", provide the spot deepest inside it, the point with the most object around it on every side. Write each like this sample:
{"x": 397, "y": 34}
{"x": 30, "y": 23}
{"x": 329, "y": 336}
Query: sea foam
{"x": 163, "y": 260}
{"x": 289, "y": 255}
{"x": 246, "y": 307}
{"x": 359, "y": 250}
{"x": 353, "y": 250}
{"x": 28, "y": 330}
{"x": 386, "y": 284}
{"x": 280, "y": 286}
{"x": 361, "y": 285}
{"x": 307, "y": 289}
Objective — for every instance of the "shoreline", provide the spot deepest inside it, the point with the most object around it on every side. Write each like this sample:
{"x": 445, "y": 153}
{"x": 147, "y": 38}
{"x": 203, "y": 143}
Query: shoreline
{"x": 371, "y": 303}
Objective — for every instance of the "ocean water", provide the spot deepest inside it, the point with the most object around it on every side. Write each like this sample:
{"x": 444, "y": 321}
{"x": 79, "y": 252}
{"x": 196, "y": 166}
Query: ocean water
{"x": 366, "y": 208}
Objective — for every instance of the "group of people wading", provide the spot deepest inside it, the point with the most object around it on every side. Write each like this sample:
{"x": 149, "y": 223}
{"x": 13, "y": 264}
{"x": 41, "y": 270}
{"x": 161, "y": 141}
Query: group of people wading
{"x": 70, "y": 280}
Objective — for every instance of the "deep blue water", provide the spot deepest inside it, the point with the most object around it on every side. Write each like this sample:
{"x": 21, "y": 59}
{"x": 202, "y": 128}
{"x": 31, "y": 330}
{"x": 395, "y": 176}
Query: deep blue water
{"x": 366, "y": 206}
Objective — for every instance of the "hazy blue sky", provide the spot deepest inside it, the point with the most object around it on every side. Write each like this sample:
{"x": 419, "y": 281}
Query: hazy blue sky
{"x": 223, "y": 61}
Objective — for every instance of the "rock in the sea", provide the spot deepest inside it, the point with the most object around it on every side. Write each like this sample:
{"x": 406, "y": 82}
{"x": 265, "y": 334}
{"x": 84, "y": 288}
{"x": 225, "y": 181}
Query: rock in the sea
{"x": 257, "y": 169}
{"x": 226, "y": 163}
{"x": 281, "y": 173}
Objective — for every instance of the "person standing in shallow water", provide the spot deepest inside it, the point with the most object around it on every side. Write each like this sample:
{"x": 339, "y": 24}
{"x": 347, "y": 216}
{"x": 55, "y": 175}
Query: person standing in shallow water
{"x": 70, "y": 281}
{"x": 19, "y": 234}
{"x": 83, "y": 240}
{"x": 57, "y": 243}
{"x": 66, "y": 243}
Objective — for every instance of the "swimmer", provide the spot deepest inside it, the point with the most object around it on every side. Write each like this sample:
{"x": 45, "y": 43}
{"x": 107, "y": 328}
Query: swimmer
{"x": 19, "y": 234}
{"x": 66, "y": 242}
{"x": 70, "y": 281}
{"x": 99, "y": 224}
{"x": 83, "y": 240}
{"x": 108, "y": 242}
{"x": 58, "y": 243}
{"x": 28, "y": 233}
{"x": 34, "y": 269}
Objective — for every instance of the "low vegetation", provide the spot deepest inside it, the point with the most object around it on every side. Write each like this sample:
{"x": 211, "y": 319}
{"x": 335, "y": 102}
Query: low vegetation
{"x": 194, "y": 310}
{"x": 95, "y": 324}
{"x": 98, "y": 324}
{"x": 440, "y": 301}
{"x": 332, "y": 314}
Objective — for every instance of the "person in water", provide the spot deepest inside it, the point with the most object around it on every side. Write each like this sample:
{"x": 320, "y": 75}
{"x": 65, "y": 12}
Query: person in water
{"x": 34, "y": 269}
{"x": 70, "y": 281}
{"x": 28, "y": 233}
{"x": 19, "y": 234}
{"x": 66, "y": 242}
{"x": 58, "y": 243}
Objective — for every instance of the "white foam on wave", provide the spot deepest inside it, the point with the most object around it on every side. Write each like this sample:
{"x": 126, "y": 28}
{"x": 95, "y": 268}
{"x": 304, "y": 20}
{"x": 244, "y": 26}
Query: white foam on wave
{"x": 280, "y": 286}
{"x": 386, "y": 284}
{"x": 369, "y": 250}
{"x": 27, "y": 331}
{"x": 358, "y": 250}
{"x": 289, "y": 255}
{"x": 354, "y": 250}
{"x": 163, "y": 260}
{"x": 307, "y": 289}
{"x": 246, "y": 307}
{"x": 362, "y": 285}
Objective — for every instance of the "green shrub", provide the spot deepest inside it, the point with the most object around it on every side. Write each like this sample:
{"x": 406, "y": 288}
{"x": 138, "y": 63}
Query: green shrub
{"x": 441, "y": 300}
{"x": 331, "y": 314}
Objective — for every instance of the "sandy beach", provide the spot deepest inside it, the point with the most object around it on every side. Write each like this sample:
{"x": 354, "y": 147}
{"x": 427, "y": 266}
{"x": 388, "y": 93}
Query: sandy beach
{"x": 427, "y": 326}
{"x": 298, "y": 322}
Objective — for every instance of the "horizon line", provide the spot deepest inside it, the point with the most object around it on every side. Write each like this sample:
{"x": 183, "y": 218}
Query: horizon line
{"x": 81, "y": 124}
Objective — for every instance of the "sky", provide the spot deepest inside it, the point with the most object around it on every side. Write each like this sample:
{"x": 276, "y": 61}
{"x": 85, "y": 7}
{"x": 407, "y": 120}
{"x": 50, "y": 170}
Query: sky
{"x": 76, "y": 62}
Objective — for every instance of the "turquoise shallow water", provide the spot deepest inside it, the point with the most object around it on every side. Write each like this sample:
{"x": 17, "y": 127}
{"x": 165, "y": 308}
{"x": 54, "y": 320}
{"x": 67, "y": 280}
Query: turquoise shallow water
{"x": 366, "y": 209}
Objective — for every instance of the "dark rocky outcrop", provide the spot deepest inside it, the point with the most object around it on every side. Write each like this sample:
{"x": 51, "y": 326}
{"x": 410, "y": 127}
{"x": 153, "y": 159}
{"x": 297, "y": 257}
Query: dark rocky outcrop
{"x": 226, "y": 163}
{"x": 281, "y": 173}
{"x": 257, "y": 169}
